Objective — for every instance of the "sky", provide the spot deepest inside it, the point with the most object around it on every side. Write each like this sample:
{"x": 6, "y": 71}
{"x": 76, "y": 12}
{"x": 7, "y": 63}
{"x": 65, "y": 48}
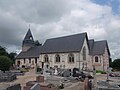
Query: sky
{"x": 56, "y": 18}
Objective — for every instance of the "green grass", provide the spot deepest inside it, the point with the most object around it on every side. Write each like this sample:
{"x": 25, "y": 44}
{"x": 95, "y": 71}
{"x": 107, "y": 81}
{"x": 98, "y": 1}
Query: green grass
{"x": 100, "y": 71}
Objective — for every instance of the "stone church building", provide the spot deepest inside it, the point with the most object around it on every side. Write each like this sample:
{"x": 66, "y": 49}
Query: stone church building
{"x": 68, "y": 52}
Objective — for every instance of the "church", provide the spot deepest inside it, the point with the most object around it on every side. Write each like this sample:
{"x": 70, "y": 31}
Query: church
{"x": 67, "y": 52}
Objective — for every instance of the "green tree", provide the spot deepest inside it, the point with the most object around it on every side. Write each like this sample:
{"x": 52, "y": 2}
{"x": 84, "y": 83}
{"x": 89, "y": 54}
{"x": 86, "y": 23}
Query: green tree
{"x": 12, "y": 56}
{"x": 3, "y": 51}
{"x": 5, "y": 63}
{"x": 116, "y": 64}
{"x": 37, "y": 43}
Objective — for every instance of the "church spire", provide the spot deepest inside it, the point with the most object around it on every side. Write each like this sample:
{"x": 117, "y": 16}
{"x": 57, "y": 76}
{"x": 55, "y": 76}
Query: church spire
{"x": 28, "y": 41}
{"x": 28, "y": 36}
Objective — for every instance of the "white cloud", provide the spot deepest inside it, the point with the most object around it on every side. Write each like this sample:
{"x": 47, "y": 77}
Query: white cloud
{"x": 58, "y": 18}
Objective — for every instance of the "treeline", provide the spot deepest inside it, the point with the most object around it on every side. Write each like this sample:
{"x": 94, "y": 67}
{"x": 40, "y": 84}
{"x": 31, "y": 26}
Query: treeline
{"x": 6, "y": 59}
{"x": 115, "y": 64}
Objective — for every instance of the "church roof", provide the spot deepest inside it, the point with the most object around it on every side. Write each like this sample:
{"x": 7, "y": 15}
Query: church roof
{"x": 90, "y": 43}
{"x": 28, "y": 35}
{"x": 72, "y": 43}
{"x": 28, "y": 40}
{"x": 33, "y": 52}
{"x": 98, "y": 47}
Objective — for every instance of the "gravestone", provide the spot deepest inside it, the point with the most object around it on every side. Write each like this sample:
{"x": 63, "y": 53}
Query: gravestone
{"x": 66, "y": 73}
{"x": 45, "y": 69}
{"x": 35, "y": 87}
{"x": 56, "y": 72}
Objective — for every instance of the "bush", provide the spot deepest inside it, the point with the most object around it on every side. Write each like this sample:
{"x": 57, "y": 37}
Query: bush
{"x": 5, "y": 63}
{"x": 61, "y": 86}
{"x": 100, "y": 71}
{"x": 116, "y": 64}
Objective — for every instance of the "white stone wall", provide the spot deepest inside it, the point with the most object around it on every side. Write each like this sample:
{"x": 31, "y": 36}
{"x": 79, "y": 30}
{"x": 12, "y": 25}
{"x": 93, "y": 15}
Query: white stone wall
{"x": 63, "y": 60}
{"x": 87, "y": 54}
{"x": 106, "y": 59}
{"x": 99, "y": 64}
{"x": 27, "y": 63}
{"x": 103, "y": 61}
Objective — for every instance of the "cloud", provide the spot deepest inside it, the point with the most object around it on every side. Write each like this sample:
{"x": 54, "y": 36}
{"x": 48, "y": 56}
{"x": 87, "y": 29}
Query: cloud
{"x": 57, "y": 18}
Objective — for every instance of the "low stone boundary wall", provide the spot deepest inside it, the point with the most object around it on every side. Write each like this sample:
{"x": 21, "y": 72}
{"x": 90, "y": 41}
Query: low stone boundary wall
{"x": 35, "y": 87}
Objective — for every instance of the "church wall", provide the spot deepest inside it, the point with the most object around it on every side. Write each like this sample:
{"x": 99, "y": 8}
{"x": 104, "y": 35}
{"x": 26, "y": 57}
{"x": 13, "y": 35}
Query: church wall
{"x": 106, "y": 59}
{"x": 81, "y": 55}
{"x": 25, "y": 48}
{"x": 103, "y": 61}
{"x": 99, "y": 64}
{"x": 63, "y": 60}
{"x": 27, "y": 62}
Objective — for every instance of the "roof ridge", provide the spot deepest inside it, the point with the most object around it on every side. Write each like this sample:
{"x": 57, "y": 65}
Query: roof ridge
{"x": 101, "y": 41}
{"x": 67, "y": 36}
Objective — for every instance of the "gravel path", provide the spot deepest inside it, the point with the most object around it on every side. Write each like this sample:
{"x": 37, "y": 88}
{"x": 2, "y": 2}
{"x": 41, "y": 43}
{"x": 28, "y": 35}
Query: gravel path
{"x": 75, "y": 86}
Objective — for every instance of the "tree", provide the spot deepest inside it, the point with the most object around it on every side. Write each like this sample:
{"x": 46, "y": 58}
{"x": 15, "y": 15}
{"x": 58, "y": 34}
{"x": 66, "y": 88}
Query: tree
{"x": 12, "y": 56}
{"x": 116, "y": 64}
{"x": 5, "y": 63}
{"x": 37, "y": 43}
{"x": 3, "y": 51}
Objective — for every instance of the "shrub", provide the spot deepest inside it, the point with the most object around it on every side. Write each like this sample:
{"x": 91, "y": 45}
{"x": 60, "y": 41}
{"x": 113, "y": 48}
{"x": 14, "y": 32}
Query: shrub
{"x": 100, "y": 71}
{"x": 5, "y": 63}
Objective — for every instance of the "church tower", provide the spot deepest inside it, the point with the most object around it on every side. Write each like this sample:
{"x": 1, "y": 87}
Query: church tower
{"x": 28, "y": 41}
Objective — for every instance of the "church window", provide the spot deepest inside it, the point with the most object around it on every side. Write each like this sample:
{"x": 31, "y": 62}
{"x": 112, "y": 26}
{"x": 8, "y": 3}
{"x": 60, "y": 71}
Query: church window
{"x": 46, "y": 59}
{"x": 71, "y": 58}
{"x": 24, "y": 60}
{"x": 57, "y": 58}
{"x": 96, "y": 59}
{"x": 31, "y": 38}
{"x": 84, "y": 53}
{"x": 29, "y": 60}
{"x": 36, "y": 60}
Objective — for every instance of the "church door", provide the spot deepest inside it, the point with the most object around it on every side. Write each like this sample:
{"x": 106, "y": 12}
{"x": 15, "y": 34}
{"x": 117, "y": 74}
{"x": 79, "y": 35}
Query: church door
{"x": 42, "y": 64}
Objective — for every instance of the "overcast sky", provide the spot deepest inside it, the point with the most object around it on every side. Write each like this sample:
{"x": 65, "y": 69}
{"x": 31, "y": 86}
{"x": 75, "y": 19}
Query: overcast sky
{"x": 55, "y": 18}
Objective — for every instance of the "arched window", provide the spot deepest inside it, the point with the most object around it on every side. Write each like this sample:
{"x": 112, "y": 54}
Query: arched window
{"x": 36, "y": 60}
{"x": 71, "y": 58}
{"x": 84, "y": 53}
{"x": 24, "y": 60}
{"x": 46, "y": 59}
{"x": 30, "y": 38}
{"x": 29, "y": 60}
{"x": 57, "y": 58}
{"x": 96, "y": 59}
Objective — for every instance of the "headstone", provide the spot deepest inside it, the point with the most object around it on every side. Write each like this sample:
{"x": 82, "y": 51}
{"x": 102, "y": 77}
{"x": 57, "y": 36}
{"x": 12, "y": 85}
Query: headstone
{"x": 45, "y": 69}
{"x": 35, "y": 87}
{"x": 56, "y": 72}
{"x": 66, "y": 73}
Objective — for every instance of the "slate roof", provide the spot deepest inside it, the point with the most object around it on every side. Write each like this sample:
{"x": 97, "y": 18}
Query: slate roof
{"x": 90, "y": 43}
{"x": 33, "y": 52}
{"x": 28, "y": 40}
{"x": 72, "y": 43}
{"x": 99, "y": 47}
{"x": 28, "y": 35}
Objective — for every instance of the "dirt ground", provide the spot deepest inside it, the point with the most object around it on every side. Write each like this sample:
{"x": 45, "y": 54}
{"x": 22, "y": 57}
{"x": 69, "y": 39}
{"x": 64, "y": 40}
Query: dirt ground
{"x": 31, "y": 76}
{"x": 76, "y": 86}
{"x": 104, "y": 77}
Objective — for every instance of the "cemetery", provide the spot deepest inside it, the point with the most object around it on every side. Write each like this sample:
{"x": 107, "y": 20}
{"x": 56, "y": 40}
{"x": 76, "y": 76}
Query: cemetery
{"x": 7, "y": 76}
{"x": 10, "y": 87}
{"x": 55, "y": 79}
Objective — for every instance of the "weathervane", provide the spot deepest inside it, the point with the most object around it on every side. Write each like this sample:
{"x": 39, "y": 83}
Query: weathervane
{"x": 29, "y": 26}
